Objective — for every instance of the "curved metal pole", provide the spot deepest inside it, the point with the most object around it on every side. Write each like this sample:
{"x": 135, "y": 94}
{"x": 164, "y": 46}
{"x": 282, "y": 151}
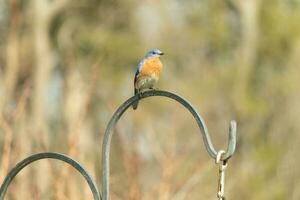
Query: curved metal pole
{"x": 11, "y": 175}
{"x": 205, "y": 135}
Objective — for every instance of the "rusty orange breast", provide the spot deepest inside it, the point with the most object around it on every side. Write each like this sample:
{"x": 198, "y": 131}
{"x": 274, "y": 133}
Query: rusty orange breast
{"x": 151, "y": 67}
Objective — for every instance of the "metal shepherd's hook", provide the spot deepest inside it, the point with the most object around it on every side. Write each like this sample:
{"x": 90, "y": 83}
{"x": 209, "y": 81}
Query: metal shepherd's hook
{"x": 201, "y": 124}
{"x": 49, "y": 155}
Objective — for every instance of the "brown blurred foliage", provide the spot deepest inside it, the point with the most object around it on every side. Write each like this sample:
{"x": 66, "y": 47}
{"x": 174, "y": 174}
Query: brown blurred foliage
{"x": 65, "y": 66}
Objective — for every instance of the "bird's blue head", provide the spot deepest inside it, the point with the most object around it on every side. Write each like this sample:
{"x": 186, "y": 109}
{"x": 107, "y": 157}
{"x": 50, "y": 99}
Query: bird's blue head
{"x": 156, "y": 53}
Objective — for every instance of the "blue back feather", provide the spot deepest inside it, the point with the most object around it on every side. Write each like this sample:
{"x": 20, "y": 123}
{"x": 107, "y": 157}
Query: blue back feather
{"x": 139, "y": 68}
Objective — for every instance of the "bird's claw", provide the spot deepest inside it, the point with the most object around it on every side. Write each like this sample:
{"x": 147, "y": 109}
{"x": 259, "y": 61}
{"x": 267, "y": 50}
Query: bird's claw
{"x": 139, "y": 94}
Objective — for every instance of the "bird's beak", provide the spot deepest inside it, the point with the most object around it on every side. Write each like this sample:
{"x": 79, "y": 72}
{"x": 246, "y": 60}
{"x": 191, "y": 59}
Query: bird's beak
{"x": 161, "y": 53}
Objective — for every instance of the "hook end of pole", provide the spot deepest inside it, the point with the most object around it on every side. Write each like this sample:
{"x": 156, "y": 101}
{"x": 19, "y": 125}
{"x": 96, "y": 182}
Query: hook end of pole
{"x": 231, "y": 140}
{"x": 232, "y": 128}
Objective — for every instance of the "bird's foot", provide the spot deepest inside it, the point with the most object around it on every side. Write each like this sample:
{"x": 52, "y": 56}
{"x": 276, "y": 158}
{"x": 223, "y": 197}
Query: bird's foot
{"x": 139, "y": 94}
{"x": 154, "y": 88}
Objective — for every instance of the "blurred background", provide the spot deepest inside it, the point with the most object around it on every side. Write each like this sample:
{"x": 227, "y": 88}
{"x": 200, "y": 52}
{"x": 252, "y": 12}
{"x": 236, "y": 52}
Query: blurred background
{"x": 65, "y": 67}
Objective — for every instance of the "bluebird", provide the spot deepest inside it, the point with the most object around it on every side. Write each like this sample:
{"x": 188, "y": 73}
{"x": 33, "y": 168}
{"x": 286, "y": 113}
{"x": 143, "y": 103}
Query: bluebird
{"x": 147, "y": 72}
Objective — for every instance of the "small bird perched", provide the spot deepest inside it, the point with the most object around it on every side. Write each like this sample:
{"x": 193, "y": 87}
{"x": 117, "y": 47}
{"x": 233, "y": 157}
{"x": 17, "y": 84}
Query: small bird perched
{"x": 147, "y": 72}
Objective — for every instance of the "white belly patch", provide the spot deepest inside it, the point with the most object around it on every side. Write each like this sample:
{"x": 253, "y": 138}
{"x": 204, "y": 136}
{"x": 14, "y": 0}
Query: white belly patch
{"x": 146, "y": 82}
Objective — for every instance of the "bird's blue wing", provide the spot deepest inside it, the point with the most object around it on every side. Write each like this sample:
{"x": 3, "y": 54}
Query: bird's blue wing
{"x": 138, "y": 69}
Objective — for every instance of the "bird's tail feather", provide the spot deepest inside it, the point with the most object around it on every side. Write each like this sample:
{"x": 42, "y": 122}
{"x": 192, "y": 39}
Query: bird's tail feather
{"x": 135, "y": 105}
